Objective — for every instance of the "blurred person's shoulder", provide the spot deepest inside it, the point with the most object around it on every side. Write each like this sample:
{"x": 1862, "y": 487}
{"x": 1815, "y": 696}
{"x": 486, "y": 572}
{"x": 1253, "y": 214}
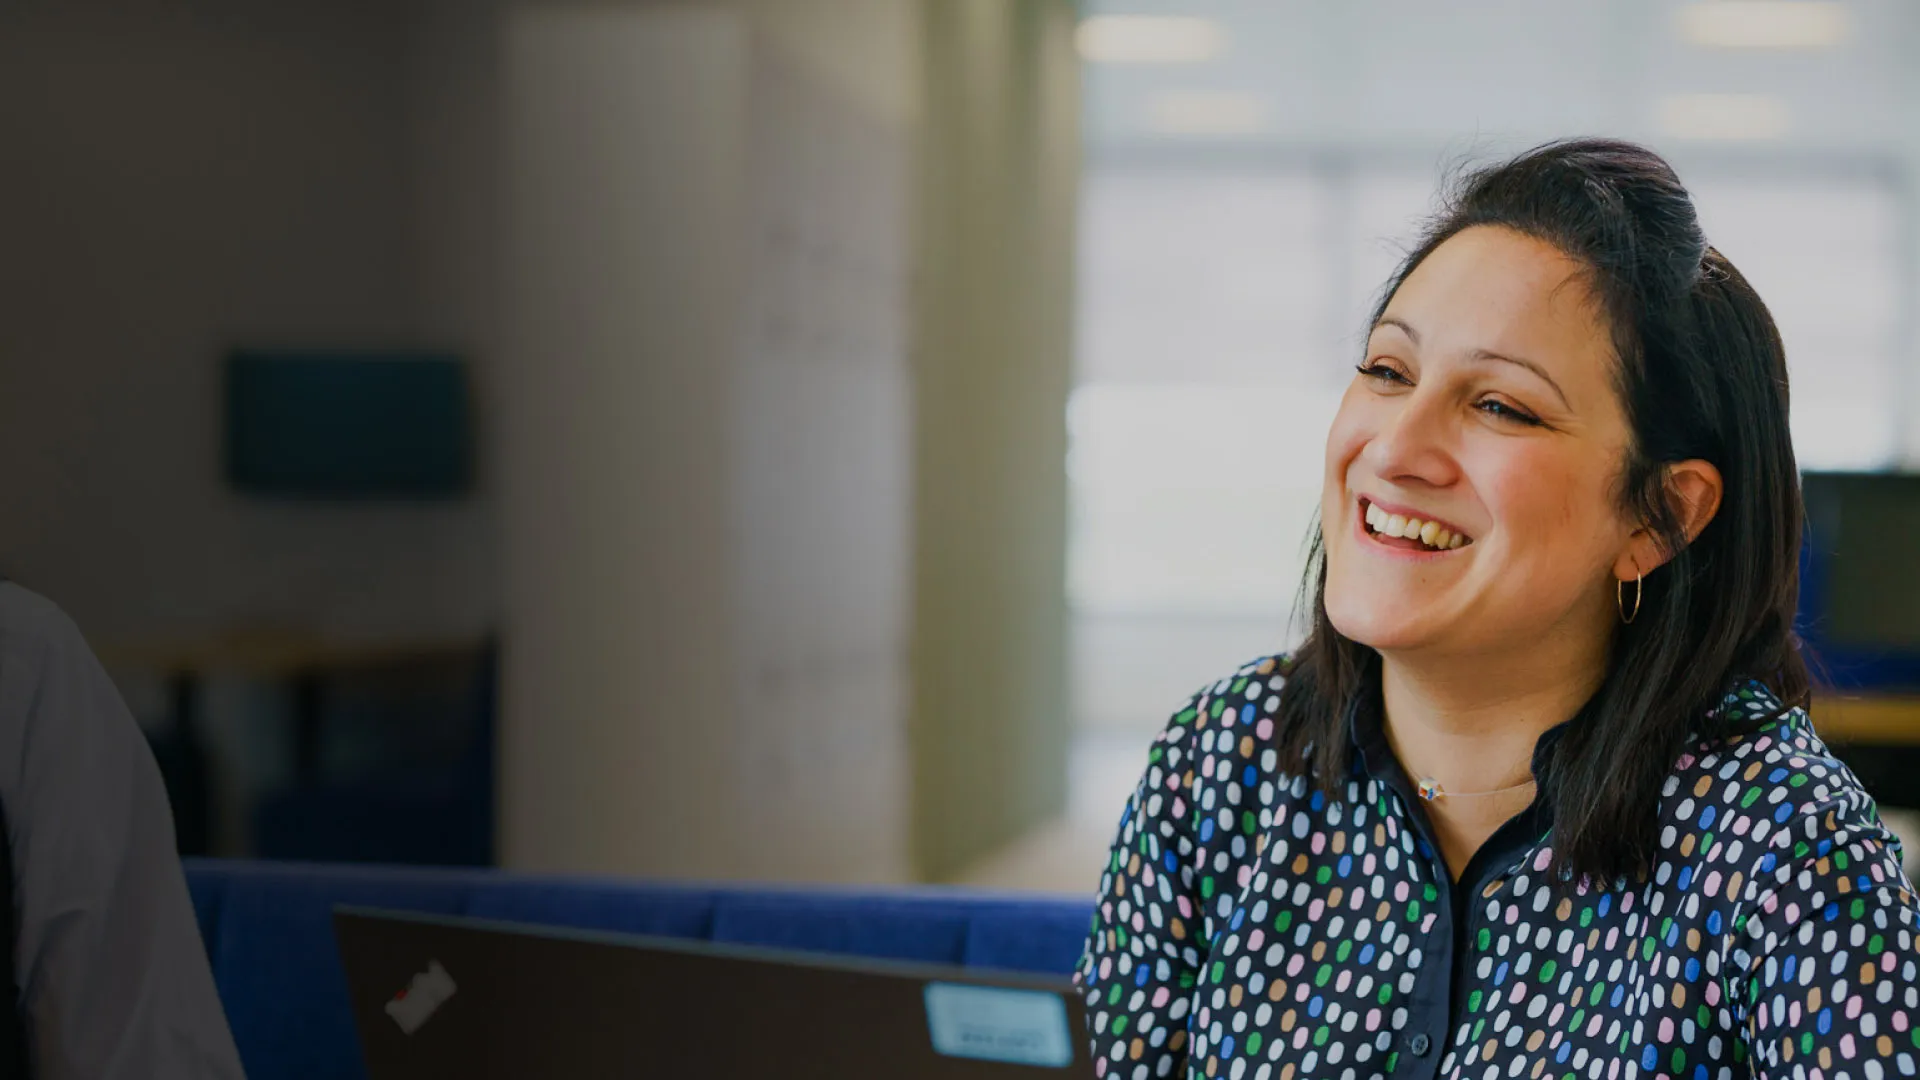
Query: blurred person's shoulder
{"x": 35, "y": 629}
{"x": 47, "y": 666}
{"x": 57, "y": 703}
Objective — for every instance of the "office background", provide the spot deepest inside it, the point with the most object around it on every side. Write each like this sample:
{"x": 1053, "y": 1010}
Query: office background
{"x": 877, "y": 413}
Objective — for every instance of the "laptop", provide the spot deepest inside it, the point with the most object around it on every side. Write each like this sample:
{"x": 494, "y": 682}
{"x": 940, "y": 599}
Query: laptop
{"x": 439, "y": 996}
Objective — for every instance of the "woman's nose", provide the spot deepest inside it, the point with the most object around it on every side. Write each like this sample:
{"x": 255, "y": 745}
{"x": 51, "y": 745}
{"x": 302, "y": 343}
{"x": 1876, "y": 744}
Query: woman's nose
{"x": 1414, "y": 443}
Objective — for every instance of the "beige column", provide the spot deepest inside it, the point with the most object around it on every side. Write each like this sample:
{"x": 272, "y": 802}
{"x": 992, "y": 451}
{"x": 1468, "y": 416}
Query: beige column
{"x": 998, "y": 168}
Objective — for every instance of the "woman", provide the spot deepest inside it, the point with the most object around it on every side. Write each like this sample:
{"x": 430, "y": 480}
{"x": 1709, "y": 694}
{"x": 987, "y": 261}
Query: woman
{"x": 1538, "y": 796}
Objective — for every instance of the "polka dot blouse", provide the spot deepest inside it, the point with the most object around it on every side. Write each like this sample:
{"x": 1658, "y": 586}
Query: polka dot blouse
{"x": 1248, "y": 927}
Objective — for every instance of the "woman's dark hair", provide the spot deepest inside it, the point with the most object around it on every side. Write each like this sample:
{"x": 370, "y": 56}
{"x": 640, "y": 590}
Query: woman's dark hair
{"x": 1702, "y": 374}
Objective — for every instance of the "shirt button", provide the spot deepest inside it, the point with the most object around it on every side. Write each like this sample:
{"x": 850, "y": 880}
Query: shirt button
{"x": 1418, "y": 1044}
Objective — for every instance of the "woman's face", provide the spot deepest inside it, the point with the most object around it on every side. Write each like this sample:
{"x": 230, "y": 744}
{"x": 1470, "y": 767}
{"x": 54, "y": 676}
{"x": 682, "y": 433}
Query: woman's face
{"x": 1486, "y": 405}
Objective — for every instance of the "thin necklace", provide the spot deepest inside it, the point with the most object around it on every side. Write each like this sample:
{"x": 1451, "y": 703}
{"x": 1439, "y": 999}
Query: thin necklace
{"x": 1430, "y": 790}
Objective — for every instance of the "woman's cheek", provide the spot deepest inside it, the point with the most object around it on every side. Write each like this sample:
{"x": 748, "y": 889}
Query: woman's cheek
{"x": 1346, "y": 437}
{"x": 1530, "y": 494}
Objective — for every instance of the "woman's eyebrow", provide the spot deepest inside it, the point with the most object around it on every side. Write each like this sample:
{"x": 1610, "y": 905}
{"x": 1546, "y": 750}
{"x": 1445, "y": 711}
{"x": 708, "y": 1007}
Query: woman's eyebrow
{"x": 1488, "y": 354}
{"x": 1404, "y": 326}
{"x": 1478, "y": 354}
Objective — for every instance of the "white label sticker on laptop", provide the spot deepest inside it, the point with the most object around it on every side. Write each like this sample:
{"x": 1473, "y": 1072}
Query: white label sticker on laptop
{"x": 1024, "y": 1027}
{"x": 425, "y": 993}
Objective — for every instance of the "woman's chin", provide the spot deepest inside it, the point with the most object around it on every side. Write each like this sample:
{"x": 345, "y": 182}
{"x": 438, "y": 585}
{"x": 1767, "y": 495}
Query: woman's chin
{"x": 1370, "y": 624}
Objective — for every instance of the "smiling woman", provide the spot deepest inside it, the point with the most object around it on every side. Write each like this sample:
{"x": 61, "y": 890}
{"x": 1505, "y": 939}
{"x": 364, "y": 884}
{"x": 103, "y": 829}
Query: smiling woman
{"x": 1537, "y": 795}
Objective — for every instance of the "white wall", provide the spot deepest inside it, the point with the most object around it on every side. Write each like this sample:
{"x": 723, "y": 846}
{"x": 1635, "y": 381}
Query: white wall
{"x": 623, "y": 149}
{"x": 822, "y": 472}
{"x": 176, "y": 180}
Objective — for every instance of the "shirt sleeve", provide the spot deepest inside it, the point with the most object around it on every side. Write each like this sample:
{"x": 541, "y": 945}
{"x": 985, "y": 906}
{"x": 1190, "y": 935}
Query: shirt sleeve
{"x": 1828, "y": 964}
{"x": 1145, "y": 948}
{"x": 113, "y": 977}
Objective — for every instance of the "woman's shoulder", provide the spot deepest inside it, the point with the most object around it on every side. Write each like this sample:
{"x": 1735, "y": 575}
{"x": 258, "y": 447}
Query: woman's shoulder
{"x": 1223, "y": 733}
{"x": 1253, "y": 685}
{"x": 1769, "y": 784}
{"x": 1763, "y": 750}
{"x": 1240, "y": 699}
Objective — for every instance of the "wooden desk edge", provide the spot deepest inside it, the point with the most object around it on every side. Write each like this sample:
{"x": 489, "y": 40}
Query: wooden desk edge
{"x": 1892, "y": 719}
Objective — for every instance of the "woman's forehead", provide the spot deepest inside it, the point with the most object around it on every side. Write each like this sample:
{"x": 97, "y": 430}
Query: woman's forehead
{"x": 1498, "y": 289}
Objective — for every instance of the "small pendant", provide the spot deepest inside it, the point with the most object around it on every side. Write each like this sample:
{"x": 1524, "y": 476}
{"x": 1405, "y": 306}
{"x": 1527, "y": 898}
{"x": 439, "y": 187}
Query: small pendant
{"x": 1430, "y": 789}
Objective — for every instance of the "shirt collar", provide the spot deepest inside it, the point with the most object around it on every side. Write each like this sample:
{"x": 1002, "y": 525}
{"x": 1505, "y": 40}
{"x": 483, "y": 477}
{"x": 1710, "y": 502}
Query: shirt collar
{"x": 1366, "y": 732}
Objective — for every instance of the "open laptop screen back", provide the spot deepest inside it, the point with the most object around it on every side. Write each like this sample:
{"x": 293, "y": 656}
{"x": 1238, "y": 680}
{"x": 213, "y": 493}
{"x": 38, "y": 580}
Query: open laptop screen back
{"x": 439, "y": 997}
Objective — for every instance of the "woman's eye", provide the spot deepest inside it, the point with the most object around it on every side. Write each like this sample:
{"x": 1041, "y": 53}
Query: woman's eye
{"x": 1505, "y": 411}
{"x": 1373, "y": 369}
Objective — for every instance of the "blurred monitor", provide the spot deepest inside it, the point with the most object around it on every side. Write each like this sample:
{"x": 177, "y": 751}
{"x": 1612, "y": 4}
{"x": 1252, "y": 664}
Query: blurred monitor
{"x": 1860, "y": 582}
{"x": 348, "y": 425}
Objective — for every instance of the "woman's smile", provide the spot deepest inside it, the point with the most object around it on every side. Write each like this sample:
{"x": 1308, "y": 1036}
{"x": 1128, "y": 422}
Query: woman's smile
{"x": 1404, "y": 532}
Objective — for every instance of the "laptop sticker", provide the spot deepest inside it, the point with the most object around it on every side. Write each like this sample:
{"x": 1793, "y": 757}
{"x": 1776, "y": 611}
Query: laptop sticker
{"x": 1023, "y": 1027}
{"x": 427, "y": 992}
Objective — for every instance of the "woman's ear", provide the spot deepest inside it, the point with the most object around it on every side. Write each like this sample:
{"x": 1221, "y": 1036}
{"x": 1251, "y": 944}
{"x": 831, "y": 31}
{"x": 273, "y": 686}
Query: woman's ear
{"x": 1694, "y": 488}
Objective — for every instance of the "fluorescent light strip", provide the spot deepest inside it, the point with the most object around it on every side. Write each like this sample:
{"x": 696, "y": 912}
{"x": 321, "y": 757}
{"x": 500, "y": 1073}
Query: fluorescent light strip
{"x": 1149, "y": 39}
{"x": 1763, "y": 24}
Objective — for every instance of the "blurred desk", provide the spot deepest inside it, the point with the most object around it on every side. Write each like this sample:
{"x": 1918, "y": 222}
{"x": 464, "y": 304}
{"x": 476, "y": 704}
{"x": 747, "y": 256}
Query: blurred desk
{"x": 1878, "y": 736}
{"x": 282, "y": 654}
{"x": 1868, "y": 720}
{"x": 293, "y": 660}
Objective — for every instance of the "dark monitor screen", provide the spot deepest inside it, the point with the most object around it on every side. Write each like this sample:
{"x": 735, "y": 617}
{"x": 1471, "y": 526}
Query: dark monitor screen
{"x": 1861, "y": 590}
{"x": 348, "y": 425}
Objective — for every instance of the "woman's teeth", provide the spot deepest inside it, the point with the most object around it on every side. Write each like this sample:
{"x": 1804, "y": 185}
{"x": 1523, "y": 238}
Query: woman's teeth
{"x": 1429, "y": 533}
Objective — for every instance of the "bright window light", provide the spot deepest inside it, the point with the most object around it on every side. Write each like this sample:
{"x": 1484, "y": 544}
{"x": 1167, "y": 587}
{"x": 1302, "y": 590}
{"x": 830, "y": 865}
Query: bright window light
{"x": 1149, "y": 39}
{"x": 1193, "y": 499}
{"x": 1723, "y": 117}
{"x": 1763, "y": 24}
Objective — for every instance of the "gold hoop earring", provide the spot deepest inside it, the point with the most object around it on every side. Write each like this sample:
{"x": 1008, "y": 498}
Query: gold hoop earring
{"x": 1620, "y": 596}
